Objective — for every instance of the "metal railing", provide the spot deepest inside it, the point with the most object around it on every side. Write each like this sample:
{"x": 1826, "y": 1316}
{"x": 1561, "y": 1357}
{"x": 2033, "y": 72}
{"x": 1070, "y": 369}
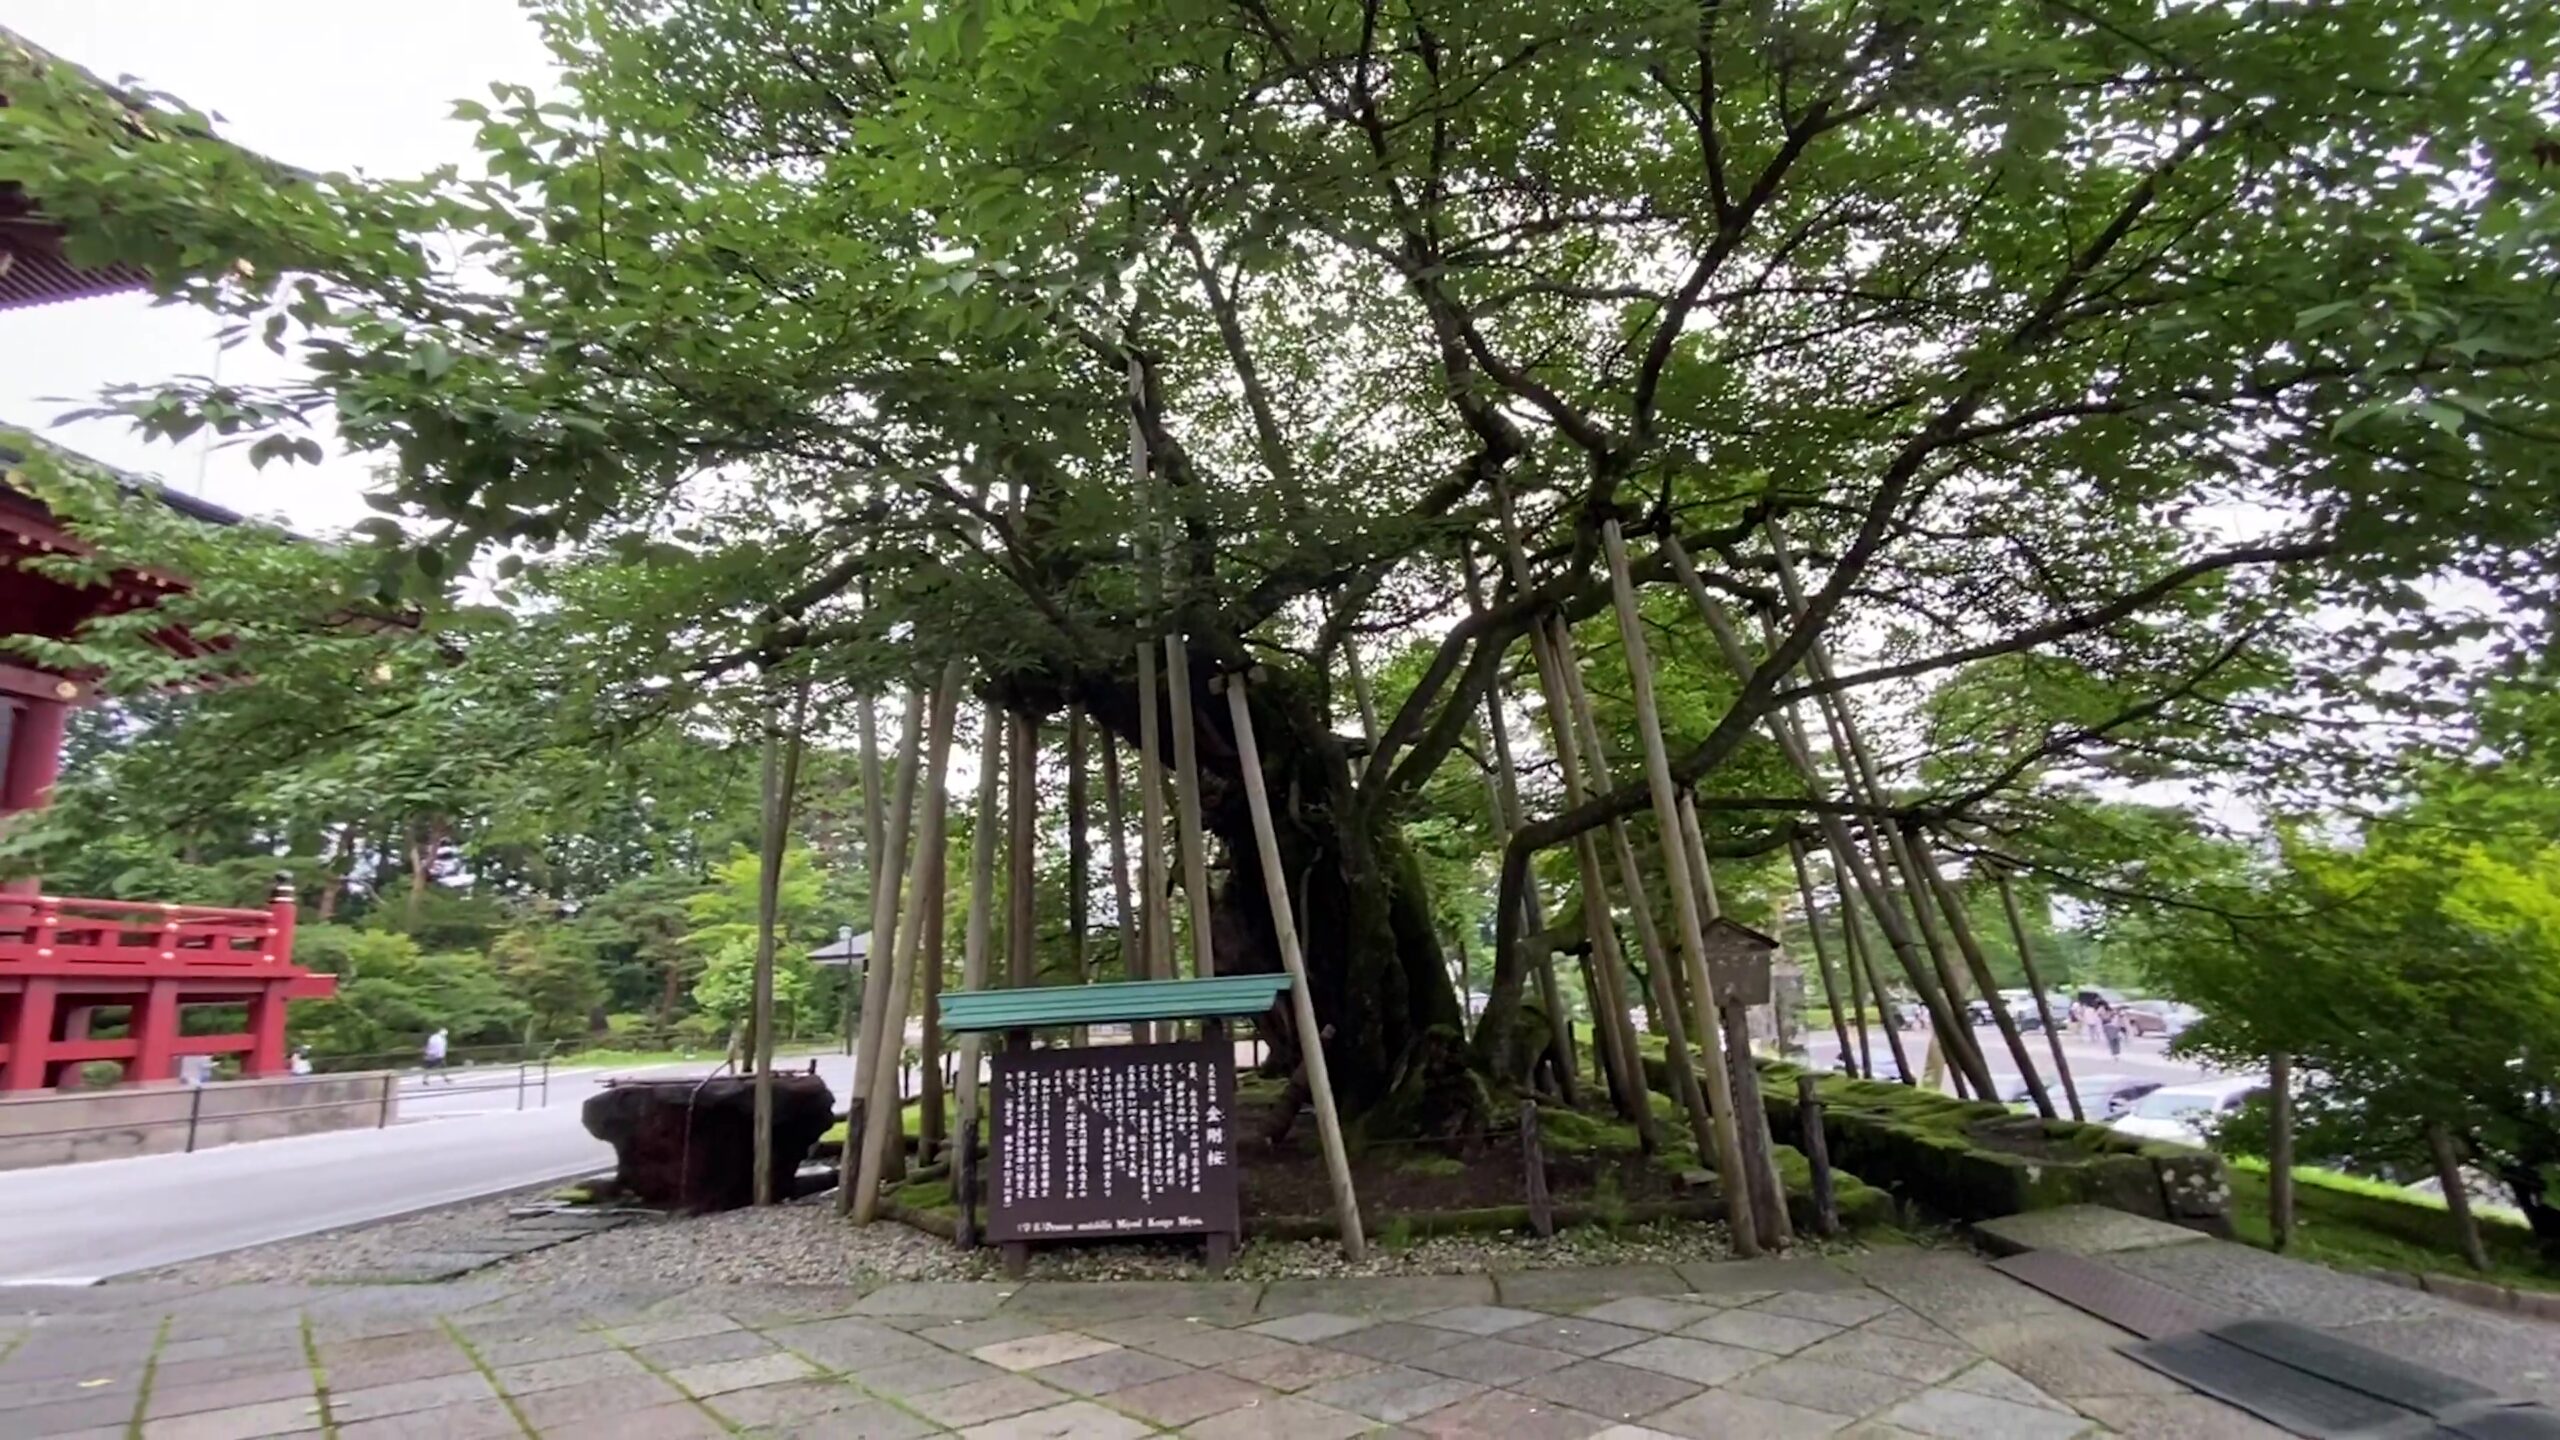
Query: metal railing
{"x": 528, "y": 1080}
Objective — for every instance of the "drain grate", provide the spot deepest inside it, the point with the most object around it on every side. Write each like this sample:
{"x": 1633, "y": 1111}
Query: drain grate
{"x": 2124, "y": 1301}
{"x": 2277, "y": 1393}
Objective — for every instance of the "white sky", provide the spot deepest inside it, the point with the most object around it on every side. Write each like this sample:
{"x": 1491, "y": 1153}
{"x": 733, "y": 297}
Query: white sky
{"x": 357, "y": 85}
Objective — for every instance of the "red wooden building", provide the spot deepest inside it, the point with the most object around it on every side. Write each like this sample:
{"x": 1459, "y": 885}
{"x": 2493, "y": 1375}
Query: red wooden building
{"x": 64, "y": 960}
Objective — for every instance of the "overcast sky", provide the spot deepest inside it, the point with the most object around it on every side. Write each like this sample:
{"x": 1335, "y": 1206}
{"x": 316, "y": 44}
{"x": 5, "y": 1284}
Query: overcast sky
{"x": 324, "y": 84}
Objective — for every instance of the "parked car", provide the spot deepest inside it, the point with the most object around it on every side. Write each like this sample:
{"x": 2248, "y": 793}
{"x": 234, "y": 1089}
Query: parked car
{"x": 2165, "y": 1018}
{"x": 2185, "y": 1113}
{"x": 2102, "y": 1097}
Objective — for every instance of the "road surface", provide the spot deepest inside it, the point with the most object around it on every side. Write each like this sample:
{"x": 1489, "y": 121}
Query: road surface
{"x": 2142, "y": 1058}
{"x": 80, "y": 1223}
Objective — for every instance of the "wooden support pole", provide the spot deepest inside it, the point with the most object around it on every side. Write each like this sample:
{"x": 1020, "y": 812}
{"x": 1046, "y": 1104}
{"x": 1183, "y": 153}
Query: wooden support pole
{"x": 1284, "y": 926}
{"x": 1186, "y": 765}
{"x": 1751, "y": 1110}
{"x": 1739, "y": 1210}
{"x": 882, "y": 1113}
{"x": 1155, "y": 933}
{"x": 1022, "y": 900}
{"x": 932, "y": 913}
{"x": 1817, "y": 1155}
{"x": 1079, "y": 855}
{"x": 1360, "y": 693}
{"x": 781, "y": 777}
{"x": 982, "y": 888}
{"x": 875, "y": 821}
{"x": 2280, "y": 1151}
{"x": 1960, "y": 925}
{"x": 1855, "y": 937}
{"x": 2035, "y": 987}
{"x": 1822, "y": 955}
{"x": 1533, "y": 1173}
{"x": 2457, "y": 1199}
{"x": 1115, "y": 815}
{"x": 1510, "y": 818}
{"x": 884, "y": 927}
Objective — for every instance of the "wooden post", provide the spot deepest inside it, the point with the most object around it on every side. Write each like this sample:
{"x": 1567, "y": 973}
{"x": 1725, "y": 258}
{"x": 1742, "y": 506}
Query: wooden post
{"x": 882, "y": 1113}
{"x": 1533, "y": 1172}
{"x": 1759, "y": 1146}
{"x": 982, "y": 887}
{"x": 1739, "y": 1216}
{"x": 1125, "y": 916}
{"x": 1960, "y": 926}
{"x": 1022, "y": 909}
{"x": 1186, "y": 765}
{"x": 884, "y": 926}
{"x": 1534, "y": 921}
{"x": 1275, "y": 886}
{"x": 1817, "y": 1154}
{"x": 874, "y": 828}
{"x": 1079, "y": 855}
{"x": 929, "y": 1129}
{"x": 2457, "y": 1200}
{"x": 1861, "y": 957}
{"x": 781, "y": 775}
{"x": 2035, "y": 987}
{"x": 1155, "y": 933}
{"x": 1360, "y": 695}
{"x": 2279, "y": 1150}
{"x": 1822, "y": 955}
{"x": 964, "y": 1160}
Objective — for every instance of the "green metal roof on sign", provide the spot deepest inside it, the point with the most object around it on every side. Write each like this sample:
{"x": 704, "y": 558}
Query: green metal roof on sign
{"x": 1043, "y": 1006}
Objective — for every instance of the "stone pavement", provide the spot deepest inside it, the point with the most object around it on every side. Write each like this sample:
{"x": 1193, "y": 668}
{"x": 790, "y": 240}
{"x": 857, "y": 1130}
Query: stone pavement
{"x": 1888, "y": 1343}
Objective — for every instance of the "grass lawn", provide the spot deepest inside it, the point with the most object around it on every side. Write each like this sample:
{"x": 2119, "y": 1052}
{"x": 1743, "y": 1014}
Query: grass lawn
{"x": 2348, "y": 1222}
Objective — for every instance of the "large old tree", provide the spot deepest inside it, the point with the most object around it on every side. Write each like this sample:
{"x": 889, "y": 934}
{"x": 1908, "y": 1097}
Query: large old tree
{"x": 2154, "y": 350}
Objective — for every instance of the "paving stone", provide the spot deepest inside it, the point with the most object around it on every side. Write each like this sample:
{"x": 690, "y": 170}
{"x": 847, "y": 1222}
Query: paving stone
{"x": 553, "y": 1344}
{"x": 947, "y": 1299}
{"x": 1032, "y": 1352}
{"x": 1899, "y": 1321}
{"x": 1207, "y": 1346}
{"x": 1513, "y": 1417}
{"x": 1101, "y": 1300}
{"x": 1765, "y": 1276}
{"x": 2074, "y": 1357}
{"x": 2177, "y": 1417}
{"x": 408, "y": 1395}
{"x": 1307, "y": 1326}
{"x": 1832, "y": 1307}
{"x": 1299, "y": 1366}
{"x": 1919, "y": 1360}
{"x": 1117, "y": 1368}
{"x": 1576, "y": 1335}
{"x": 1395, "y": 1342}
{"x": 1578, "y": 1287}
{"x": 1394, "y": 1394}
{"x": 2081, "y": 1230}
{"x": 423, "y": 1358}
{"x": 722, "y": 1376}
{"x": 1819, "y": 1386}
{"x": 1955, "y": 1291}
{"x": 2002, "y": 1383}
{"x": 704, "y": 1350}
{"x": 1185, "y": 1398}
{"x": 615, "y": 1395}
{"x": 967, "y": 1335}
{"x": 982, "y": 1400}
{"x": 871, "y": 1420}
{"x": 1634, "y": 1432}
{"x": 1142, "y": 1330}
{"x": 680, "y": 1421}
{"x": 471, "y": 1420}
{"x": 1961, "y": 1415}
{"x": 1730, "y": 1415}
{"x": 240, "y": 1422}
{"x": 658, "y": 1330}
{"x": 1376, "y": 1295}
{"x": 168, "y": 1399}
{"x": 1075, "y": 1420}
{"x": 1646, "y": 1312}
{"x": 1477, "y": 1319}
{"x": 1598, "y": 1387}
{"x": 849, "y": 1343}
{"x": 1758, "y": 1330}
{"x": 1492, "y": 1361}
{"x": 789, "y": 1400}
{"x": 1281, "y": 1417}
{"x": 921, "y": 1374}
{"x": 1703, "y": 1361}
{"x": 535, "y": 1375}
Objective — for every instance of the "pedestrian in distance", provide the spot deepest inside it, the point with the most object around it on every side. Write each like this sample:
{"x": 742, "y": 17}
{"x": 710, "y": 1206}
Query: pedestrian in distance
{"x": 2111, "y": 1025}
{"x": 434, "y": 1056}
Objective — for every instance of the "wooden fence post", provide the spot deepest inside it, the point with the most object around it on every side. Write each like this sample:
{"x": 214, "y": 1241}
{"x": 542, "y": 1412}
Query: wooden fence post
{"x": 1817, "y": 1154}
{"x": 1533, "y": 1172}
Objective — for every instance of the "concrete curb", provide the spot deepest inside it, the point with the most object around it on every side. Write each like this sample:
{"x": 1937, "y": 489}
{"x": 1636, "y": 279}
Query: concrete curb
{"x": 2479, "y": 1294}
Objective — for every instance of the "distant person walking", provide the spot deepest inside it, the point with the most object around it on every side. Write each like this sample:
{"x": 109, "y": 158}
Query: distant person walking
{"x": 435, "y": 1054}
{"x": 2111, "y": 1025}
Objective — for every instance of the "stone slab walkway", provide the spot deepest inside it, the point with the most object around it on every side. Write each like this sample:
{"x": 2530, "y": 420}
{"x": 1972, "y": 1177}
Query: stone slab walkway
{"x": 1885, "y": 1344}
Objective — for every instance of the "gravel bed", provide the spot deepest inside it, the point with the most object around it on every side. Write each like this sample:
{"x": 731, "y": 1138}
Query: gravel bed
{"x": 806, "y": 1243}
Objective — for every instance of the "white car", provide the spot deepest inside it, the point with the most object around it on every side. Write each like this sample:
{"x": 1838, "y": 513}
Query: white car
{"x": 2185, "y": 1113}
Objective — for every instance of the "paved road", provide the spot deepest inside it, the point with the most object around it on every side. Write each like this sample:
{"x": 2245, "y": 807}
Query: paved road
{"x": 2142, "y": 1059}
{"x": 85, "y": 1222}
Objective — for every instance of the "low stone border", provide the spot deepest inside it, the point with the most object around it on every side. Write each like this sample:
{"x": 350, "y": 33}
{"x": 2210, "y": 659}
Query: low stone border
{"x": 2480, "y": 1294}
